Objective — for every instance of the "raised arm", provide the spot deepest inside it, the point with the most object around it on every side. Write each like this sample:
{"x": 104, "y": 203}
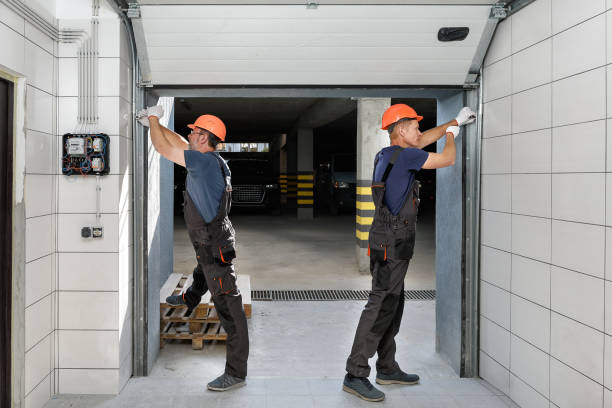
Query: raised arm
{"x": 464, "y": 117}
{"x": 167, "y": 143}
{"x": 449, "y": 153}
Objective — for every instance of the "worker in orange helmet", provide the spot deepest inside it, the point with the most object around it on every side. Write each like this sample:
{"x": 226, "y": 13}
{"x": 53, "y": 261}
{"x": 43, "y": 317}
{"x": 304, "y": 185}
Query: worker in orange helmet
{"x": 395, "y": 193}
{"x": 206, "y": 206}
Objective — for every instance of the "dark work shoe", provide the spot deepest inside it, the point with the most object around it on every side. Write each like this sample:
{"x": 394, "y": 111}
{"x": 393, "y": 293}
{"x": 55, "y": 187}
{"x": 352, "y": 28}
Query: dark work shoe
{"x": 225, "y": 382}
{"x": 398, "y": 377}
{"x": 363, "y": 388}
{"x": 176, "y": 300}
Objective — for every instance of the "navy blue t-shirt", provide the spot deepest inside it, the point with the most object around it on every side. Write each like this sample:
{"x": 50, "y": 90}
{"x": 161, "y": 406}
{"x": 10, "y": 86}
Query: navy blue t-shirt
{"x": 400, "y": 178}
{"x": 205, "y": 183}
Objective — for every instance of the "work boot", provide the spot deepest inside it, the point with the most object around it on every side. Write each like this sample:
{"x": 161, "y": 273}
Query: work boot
{"x": 225, "y": 382}
{"x": 179, "y": 300}
{"x": 363, "y": 388}
{"x": 398, "y": 377}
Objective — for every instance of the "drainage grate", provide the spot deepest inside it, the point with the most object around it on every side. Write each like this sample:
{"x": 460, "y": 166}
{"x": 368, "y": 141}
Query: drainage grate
{"x": 331, "y": 294}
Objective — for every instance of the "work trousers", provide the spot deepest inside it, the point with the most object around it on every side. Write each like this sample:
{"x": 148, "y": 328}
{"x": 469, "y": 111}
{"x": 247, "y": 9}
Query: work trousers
{"x": 380, "y": 320}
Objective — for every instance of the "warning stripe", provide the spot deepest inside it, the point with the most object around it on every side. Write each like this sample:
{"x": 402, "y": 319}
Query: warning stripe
{"x": 305, "y": 187}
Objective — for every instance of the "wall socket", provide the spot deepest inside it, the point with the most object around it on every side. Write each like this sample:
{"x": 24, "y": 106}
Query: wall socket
{"x": 91, "y": 232}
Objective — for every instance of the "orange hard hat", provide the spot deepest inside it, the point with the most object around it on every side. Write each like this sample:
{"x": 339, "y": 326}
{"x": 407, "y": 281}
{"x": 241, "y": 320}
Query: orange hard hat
{"x": 211, "y": 123}
{"x": 397, "y": 112}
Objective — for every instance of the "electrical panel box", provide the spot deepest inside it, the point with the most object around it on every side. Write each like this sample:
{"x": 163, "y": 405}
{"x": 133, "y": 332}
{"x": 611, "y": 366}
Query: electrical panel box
{"x": 85, "y": 154}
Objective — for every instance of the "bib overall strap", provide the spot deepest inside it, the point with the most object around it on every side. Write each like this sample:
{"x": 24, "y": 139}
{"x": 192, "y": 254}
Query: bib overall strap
{"x": 396, "y": 154}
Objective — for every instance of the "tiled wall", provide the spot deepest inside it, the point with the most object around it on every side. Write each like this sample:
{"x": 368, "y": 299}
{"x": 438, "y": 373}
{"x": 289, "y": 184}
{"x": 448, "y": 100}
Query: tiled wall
{"x": 77, "y": 292}
{"x": 546, "y": 298}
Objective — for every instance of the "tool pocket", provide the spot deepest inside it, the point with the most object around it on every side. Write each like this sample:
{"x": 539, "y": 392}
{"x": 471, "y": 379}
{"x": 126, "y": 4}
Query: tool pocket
{"x": 404, "y": 247}
{"x": 224, "y": 254}
{"x": 377, "y": 246}
{"x": 204, "y": 255}
{"x": 222, "y": 280}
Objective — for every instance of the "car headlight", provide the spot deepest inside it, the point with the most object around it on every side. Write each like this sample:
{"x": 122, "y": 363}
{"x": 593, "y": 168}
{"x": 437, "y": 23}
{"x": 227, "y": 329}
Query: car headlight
{"x": 341, "y": 184}
{"x": 271, "y": 186}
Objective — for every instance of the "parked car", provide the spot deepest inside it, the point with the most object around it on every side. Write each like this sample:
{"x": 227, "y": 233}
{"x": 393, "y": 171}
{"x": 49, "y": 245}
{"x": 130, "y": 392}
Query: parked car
{"x": 254, "y": 184}
{"x": 337, "y": 182}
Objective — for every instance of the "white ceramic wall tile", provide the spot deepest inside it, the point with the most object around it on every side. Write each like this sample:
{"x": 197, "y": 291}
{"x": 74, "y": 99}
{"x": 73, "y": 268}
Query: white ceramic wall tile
{"x": 39, "y": 67}
{"x": 109, "y": 44}
{"x": 607, "y": 362}
{"x": 40, "y": 395}
{"x": 37, "y": 322}
{"x": 567, "y": 13}
{"x": 38, "y": 279}
{"x": 11, "y": 19}
{"x": 39, "y": 38}
{"x": 530, "y": 321}
{"x": 580, "y": 48}
{"x": 40, "y": 153}
{"x": 607, "y": 398}
{"x": 608, "y": 307}
{"x": 78, "y": 194}
{"x": 495, "y": 304}
{"x": 68, "y": 78}
{"x": 580, "y": 247}
{"x": 531, "y": 67}
{"x": 531, "y": 152}
{"x": 69, "y": 233}
{"x": 531, "y": 109}
{"x": 494, "y": 88}
{"x": 37, "y": 364}
{"x": 531, "y": 24}
{"x": 39, "y": 110}
{"x": 587, "y": 308}
{"x": 529, "y": 364}
{"x": 125, "y": 373}
{"x": 579, "y": 197}
{"x": 524, "y": 395}
{"x": 102, "y": 311}
{"x": 12, "y": 52}
{"x": 495, "y": 230}
{"x": 88, "y": 349}
{"x": 609, "y": 34}
{"x": 70, "y": 50}
{"x": 569, "y": 388}
{"x": 495, "y": 192}
{"x": 578, "y": 346}
{"x": 531, "y": 194}
{"x": 609, "y": 91}
{"x": 100, "y": 273}
{"x": 111, "y": 122}
{"x": 531, "y": 280}
{"x": 125, "y": 333}
{"x": 497, "y": 117}
{"x": 109, "y": 79}
{"x": 493, "y": 372}
{"x": 531, "y": 237}
{"x": 608, "y": 273}
{"x": 495, "y": 341}
{"x": 125, "y": 118}
{"x": 125, "y": 79}
{"x": 38, "y": 194}
{"x": 496, "y": 155}
{"x": 579, "y": 98}
{"x": 495, "y": 267}
{"x": 88, "y": 381}
{"x": 500, "y": 46}
{"x": 39, "y": 237}
{"x": 589, "y": 155}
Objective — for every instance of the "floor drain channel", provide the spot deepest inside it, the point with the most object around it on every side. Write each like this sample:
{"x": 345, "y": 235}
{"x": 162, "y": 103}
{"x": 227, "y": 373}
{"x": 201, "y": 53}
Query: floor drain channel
{"x": 331, "y": 294}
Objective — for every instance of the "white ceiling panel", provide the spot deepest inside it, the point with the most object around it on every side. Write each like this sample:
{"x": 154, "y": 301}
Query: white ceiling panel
{"x": 295, "y": 45}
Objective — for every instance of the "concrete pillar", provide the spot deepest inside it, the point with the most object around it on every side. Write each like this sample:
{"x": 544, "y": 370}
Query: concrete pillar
{"x": 292, "y": 169}
{"x": 305, "y": 175}
{"x": 370, "y": 139}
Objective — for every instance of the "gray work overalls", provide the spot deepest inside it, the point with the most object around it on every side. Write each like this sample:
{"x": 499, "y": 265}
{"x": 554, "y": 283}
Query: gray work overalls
{"x": 390, "y": 247}
{"x": 214, "y": 246}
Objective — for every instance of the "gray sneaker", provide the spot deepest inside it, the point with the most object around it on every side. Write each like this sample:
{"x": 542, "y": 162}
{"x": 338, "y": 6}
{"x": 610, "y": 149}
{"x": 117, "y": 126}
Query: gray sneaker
{"x": 363, "y": 388}
{"x": 225, "y": 382}
{"x": 398, "y": 377}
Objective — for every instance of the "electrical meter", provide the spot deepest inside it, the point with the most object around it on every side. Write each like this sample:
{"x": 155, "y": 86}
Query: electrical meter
{"x": 85, "y": 154}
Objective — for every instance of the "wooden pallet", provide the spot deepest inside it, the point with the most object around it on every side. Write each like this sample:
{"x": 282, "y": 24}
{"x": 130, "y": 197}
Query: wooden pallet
{"x": 203, "y": 323}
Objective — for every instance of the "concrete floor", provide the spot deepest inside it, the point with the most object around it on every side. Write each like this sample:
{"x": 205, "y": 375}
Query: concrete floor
{"x": 280, "y": 252}
{"x": 299, "y": 349}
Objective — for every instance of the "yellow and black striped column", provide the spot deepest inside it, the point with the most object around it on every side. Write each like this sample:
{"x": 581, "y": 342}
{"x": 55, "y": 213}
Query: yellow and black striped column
{"x": 365, "y": 212}
{"x": 291, "y": 188}
{"x": 282, "y": 182}
{"x": 305, "y": 196}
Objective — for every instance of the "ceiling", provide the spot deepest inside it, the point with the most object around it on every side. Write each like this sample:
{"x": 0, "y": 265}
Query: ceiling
{"x": 278, "y": 43}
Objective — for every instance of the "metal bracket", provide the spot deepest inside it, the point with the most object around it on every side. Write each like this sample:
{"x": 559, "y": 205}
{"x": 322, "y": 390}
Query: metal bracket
{"x": 499, "y": 11}
{"x": 145, "y": 84}
{"x": 312, "y": 5}
{"x": 133, "y": 10}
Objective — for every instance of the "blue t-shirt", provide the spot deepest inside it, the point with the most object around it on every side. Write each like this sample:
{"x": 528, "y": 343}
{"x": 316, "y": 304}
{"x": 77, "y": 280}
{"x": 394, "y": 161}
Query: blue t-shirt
{"x": 205, "y": 183}
{"x": 400, "y": 178}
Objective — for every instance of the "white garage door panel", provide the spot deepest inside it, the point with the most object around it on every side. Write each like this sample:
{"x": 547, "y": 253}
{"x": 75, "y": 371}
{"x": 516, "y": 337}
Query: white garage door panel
{"x": 293, "y": 45}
